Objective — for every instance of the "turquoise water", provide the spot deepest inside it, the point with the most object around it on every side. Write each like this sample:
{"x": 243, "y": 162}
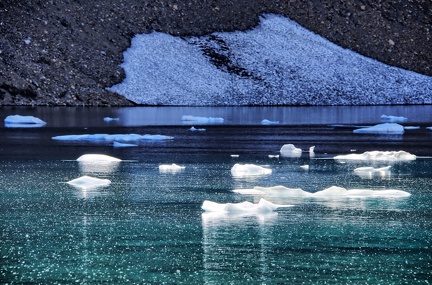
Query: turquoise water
{"x": 148, "y": 227}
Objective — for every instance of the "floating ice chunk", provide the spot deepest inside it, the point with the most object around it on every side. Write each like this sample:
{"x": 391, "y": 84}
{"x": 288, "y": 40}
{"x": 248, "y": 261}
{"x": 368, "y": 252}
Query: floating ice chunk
{"x": 370, "y": 172}
{"x": 262, "y": 207}
{"x": 393, "y": 119}
{"x": 429, "y": 128}
{"x": 248, "y": 191}
{"x": 170, "y": 168}
{"x": 268, "y": 122}
{"x": 193, "y": 129}
{"x": 114, "y": 137}
{"x": 273, "y": 155}
{"x": 305, "y": 167}
{"x": 311, "y": 151}
{"x": 18, "y": 121}
{"x": 235, "y": 155}
{"x": 386, "y": 128}
{"x": 336, "y": 191}
{"x": 109, "y": 119}
{"x": 331, "y": 192}
{"x": 97, "y": 158}
{"x": 118, "y": 144}
{"x": 201, "y": 120}
{"x": 85, "y": 182}
{"x": 379, "y": 156}
{"x": 289, "y": 150}
{"x": 245, "y": 170}
{"x": 98, "y": 163}
{"x": 411, "y": 127}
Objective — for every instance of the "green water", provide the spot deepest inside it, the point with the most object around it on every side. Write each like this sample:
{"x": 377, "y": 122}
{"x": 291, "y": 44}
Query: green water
{"x": 147, "y": 227}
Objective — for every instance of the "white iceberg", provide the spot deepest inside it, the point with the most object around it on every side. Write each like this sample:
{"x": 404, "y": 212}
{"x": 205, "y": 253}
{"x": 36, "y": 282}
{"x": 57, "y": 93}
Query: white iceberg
{"x": 268, "y": 122}
{"x": 170, "y": 168}
{"x": 97, "y": 158}
{"x": 86, "y": 182}
{"x": 312, "y": 152}
{"x": 273, "y": 155}
{"x": 119, "y": 144}
{"x": 262, "y": 207}
{"x": 386, "y": 128}
{"x": 331, "y": 192}
{"x": 411, "y": 127}
{"x": 305, "y": 167}
{"x": 19, "y": 121}
{"x": 251, "y": 191}
{"x": 100, "y": 163}
{"x": 393, "y": 119}
{"x": 289, "y": 150}
{"x": 370, "y": 172}
{"x": 114, "y": 137}
{"x": 193, "y": 129}
{"x": 201, "y": 120}
{"x": 245, "y": 170}
{"x": 378, "y": 156}
{"x": 109, "y": 119}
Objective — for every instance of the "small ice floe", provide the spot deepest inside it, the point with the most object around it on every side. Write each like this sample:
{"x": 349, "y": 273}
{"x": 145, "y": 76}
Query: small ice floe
{"x": 246, "y": 170}
{"x": 18, "y": 121}
{"x": 119, "y": 144}
{"x": 97, "y": 158}
{"x": 379, "y": 156}
{"x": 268, "y": 122}
{"x": 429, "y": 128}
{"x": 408, "y": 128}
{"x": 170, "y": 168}
{"x": 262, "y": 207}
{"x": 289, "y": 150}
{"x": 305, "y": 167}
{"x": 393, "y": 119}
{"x": 99, "y": 163}
{"x": 331, "y": 192}
{"x": 27, "y": 41}
{"x": 193, "y": 129}
{"x": 312, "y": 152}
{"x": 251, "y": 191}
{"x": 109, "y": 119}
{"x": 114, "y": 137}
{"x": 369, "y": 171}
{"x": 273, "y": 155}
{"x": 86, "y": 182}
{"x": 235, "y": 155}
{"x": 201, "y": 120}
{"x": 386, "y": 128}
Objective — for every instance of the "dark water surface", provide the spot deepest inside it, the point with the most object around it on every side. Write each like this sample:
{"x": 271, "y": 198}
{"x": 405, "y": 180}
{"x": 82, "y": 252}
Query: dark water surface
{"x": 147, "y": 226}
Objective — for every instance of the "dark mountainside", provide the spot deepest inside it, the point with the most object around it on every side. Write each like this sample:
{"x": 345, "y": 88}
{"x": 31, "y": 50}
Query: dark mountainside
{"x": 66, "y": 52}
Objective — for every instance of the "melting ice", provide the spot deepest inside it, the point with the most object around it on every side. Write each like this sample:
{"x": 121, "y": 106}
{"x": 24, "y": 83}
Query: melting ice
{"x": 378, "y": 156}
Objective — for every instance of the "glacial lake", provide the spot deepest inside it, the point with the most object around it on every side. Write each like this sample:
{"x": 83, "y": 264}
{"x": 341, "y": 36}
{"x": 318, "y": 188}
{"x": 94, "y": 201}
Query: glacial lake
{"x": 148, "y": 227}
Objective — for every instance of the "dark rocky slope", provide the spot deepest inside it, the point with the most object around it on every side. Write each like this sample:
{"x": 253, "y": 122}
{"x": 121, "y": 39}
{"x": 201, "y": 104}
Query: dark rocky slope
{"x": 66, "y": 52}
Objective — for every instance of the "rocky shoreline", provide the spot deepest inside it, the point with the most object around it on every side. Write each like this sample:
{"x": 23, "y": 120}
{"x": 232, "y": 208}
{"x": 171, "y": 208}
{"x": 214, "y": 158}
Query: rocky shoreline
{"x": 66, "y": 53}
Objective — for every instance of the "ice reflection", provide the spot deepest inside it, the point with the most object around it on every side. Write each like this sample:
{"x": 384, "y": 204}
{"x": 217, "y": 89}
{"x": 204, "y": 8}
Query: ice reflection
{"x": 237, "y": 244}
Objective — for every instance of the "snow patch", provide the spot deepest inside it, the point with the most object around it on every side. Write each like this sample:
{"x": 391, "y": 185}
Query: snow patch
{"x": 276, "y": 63}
